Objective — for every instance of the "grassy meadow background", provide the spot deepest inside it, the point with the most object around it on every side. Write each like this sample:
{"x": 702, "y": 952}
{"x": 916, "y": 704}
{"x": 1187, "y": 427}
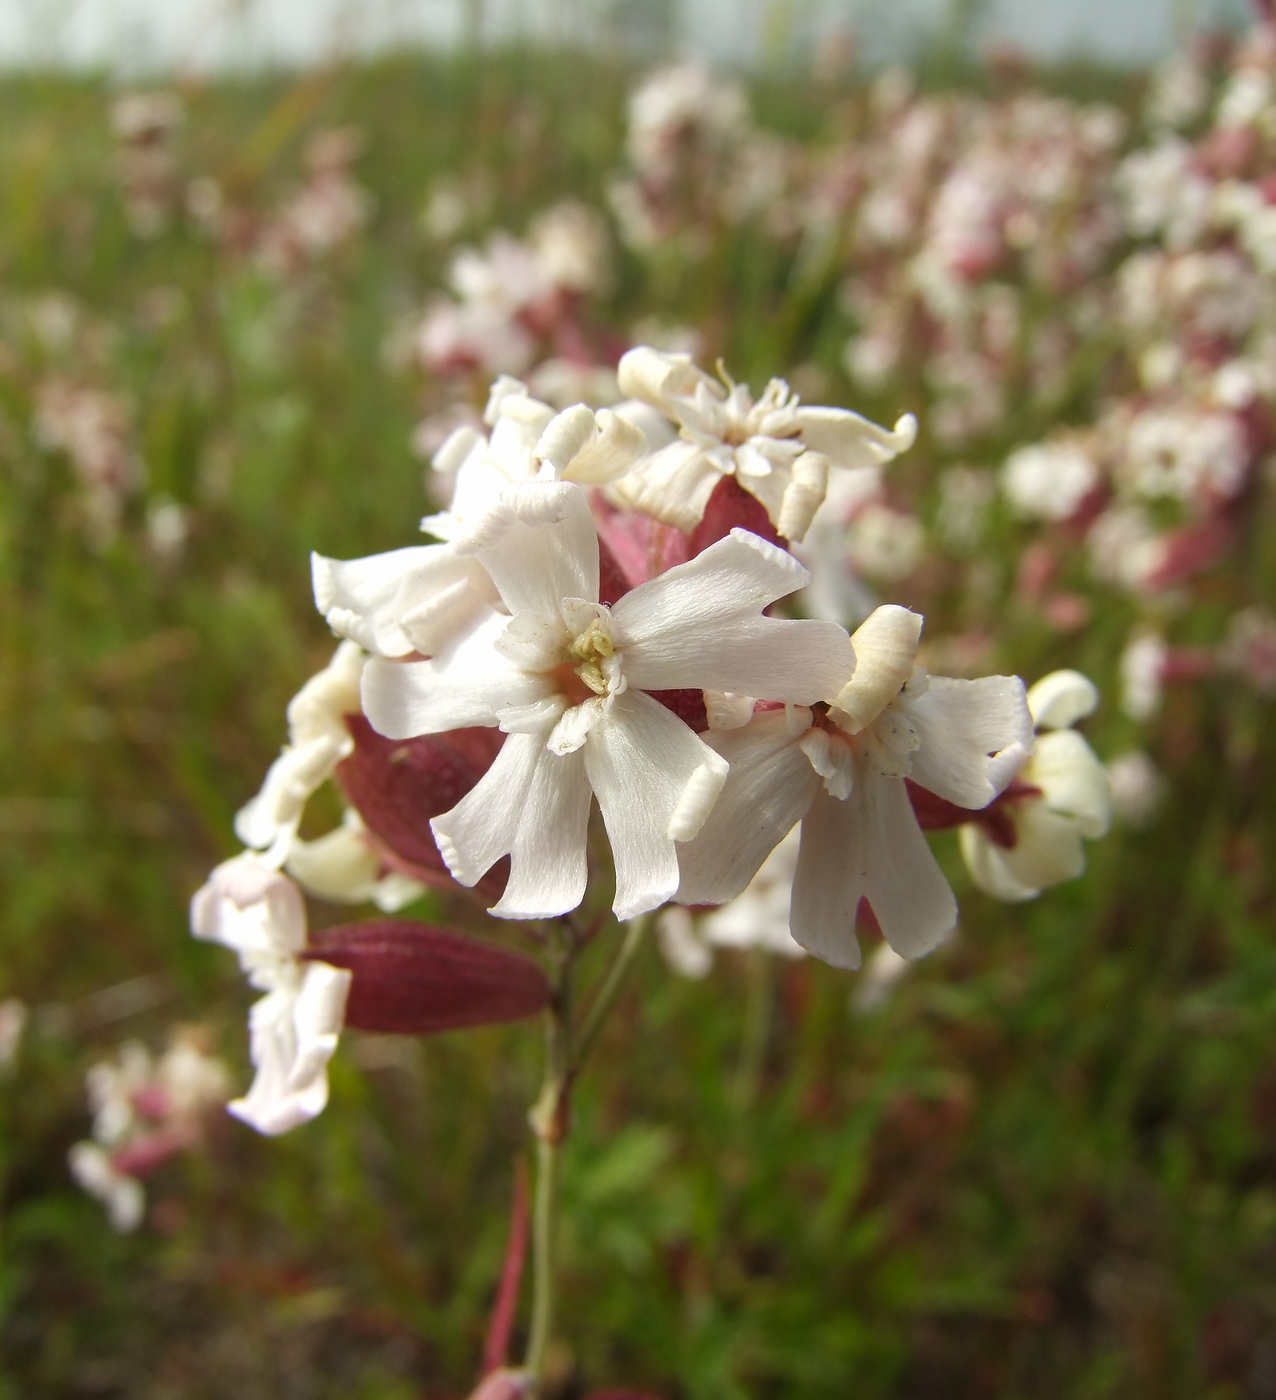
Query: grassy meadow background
{"x": 1045, "y": 1166}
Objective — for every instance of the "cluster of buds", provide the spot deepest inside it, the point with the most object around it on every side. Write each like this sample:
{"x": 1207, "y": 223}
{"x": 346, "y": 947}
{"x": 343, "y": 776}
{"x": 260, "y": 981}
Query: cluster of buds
{"x": 145, "y": 1111}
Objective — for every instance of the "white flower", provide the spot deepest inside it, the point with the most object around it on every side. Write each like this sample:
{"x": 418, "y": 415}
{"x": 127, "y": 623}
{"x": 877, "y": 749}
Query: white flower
{"x": 1048, "y": 481}
{"x": 317, "y": 741}
{"x": 249, "y": 907}
{"x": 566, "y": 679}
{"x": 776, "y": 449}
{"x": 842, "y": 775}
{"x": 1142, "y": 675}
{"x": 123, "y": 1195}
{"x": 1138, "y": 787}
{"x": 757, "y": 918}
{"x": 1066, "y": 796}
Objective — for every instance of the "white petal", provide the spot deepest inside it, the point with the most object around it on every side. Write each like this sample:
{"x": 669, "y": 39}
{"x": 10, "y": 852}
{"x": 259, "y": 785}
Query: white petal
{"x": 618, "y": 445}
{"x": 651, "y": 376}
{"x": 849, "y": 440}
{"x": 467, "y": 685}
{"x": 700, "y": 625}
{"x": 123, "y": 1196}
{"x": 293, "y": 1034}
{"x": 984, "y": 860}
{"x": 457, "y": 448}
{"x": 1048, "y": 850}
{"x": 1060, "y": 699}
{"x": 564, "y": 436}
{"x": 804, "y": 495}
{"x": 767, "y": 792}
{"x": 1073, "y": 781}
{"x": 726, "y": 710}
{"x": 885, "y": 646}
{"x": 869, "y": 846}
{"x": 673, "y": 485}
{"x": 249, "y": 906}
{"x": 646, "y": 768}
{"x": 268, "y": 820}
{"x": 533, "y": 806}
{"x": 540, "y": 546}
{"x": 340, "y": 866}
{"x": 960, "y": 724}
{"x": 368, "y": 599}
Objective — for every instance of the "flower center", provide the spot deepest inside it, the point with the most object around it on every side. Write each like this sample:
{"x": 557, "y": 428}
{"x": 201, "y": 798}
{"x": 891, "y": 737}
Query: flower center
{"x": 590, "y": 667}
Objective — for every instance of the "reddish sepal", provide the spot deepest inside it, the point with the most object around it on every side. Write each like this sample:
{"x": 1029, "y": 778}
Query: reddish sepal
{"x": 415, "y": 979}
{"x": 731, "y": 507}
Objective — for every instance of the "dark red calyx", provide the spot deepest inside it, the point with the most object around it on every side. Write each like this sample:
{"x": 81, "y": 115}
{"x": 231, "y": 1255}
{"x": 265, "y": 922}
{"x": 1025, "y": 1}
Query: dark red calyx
{"x": 731, "y": 507}
{"x": 397, "y": 785}
{"x": 416, "y": 979}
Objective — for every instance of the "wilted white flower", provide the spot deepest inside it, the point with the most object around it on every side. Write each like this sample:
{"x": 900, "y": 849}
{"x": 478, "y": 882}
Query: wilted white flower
{"x": 251, "y": 908}
{"x": 1060, "y": 795}
{"x": 318, "y": 740}
{"x": 777, "y": 449}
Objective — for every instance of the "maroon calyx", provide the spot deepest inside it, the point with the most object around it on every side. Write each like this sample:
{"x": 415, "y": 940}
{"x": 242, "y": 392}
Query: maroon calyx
{"x": 417, "y": 979}
{"x": 935, "y": 813}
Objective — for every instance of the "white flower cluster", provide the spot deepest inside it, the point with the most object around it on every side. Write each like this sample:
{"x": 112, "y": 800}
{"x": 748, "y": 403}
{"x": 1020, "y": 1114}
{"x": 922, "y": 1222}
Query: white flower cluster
{"x": 584, "y": 602}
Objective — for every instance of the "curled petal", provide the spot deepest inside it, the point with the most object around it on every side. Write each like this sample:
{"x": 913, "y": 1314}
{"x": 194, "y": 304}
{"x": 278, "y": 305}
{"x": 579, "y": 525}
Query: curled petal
{"x": 673, "y": 485}
{"x": 975, "y": 736}
{"x": 248, "y": 906}
{"x": 407, "y": 600}
{"x": 652, "y": 376}
{"x": 539, "y": 545}
{"x": 849, "y": 440}
{"x": 293, "y": 1032}
{"x": 885, "y": 653}
{"x": 1059, "y": 700}
{"x": 804, "y": 495}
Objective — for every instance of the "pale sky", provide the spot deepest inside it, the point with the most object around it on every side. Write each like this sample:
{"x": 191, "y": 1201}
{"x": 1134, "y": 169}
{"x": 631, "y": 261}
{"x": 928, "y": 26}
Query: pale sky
{"x": 142, "y": 34}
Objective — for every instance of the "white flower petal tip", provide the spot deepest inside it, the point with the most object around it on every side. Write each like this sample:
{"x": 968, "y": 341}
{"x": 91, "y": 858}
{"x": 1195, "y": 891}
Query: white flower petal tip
{"x": 697, "y": 799}
{"x": 885, "y": 654}
{"x": 884, "y": 971}
{"x": 1059, "y": 700}
{"x": 650, "y": 376}
{"x": 588, "y": 447}
{"x": 725, "y": 710}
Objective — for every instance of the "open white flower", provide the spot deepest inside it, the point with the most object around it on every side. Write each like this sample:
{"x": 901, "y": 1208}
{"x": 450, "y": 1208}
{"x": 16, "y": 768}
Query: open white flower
{"x": 777, "y": 449}
{"x": 841, "y": 773}
{"x": 420, "y": 599}
{"x": 317, "y": 741}
{"x": 567, "y": 679}
{"x": 758, "y": 918}
{"x": 250, "y": 907}
{"x": 1066, "y": 795}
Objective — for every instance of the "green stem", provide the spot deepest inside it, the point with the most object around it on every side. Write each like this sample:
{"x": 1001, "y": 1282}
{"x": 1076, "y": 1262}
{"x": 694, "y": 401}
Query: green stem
{"x": 551, "y": 1116}
{"x": 544, "y": 1269}
{"x": 605, "y": 996}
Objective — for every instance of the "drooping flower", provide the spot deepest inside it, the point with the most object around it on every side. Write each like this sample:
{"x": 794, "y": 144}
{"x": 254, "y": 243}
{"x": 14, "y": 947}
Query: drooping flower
{"x": 567, "y": 679}
{"x": 251, "y": 908}
{"x": 1060, "y": 795}
{"x": 777, "y": 448}
{"x": 841, "y": 771}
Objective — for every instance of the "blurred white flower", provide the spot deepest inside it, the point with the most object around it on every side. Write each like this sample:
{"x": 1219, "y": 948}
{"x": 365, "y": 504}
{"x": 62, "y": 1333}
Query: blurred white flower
{"x": 1142, "y": 670}
{"x": 1049, "y": 480}
{"x": 1138, "y": 787}
{"x": 1060, "y": 795}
